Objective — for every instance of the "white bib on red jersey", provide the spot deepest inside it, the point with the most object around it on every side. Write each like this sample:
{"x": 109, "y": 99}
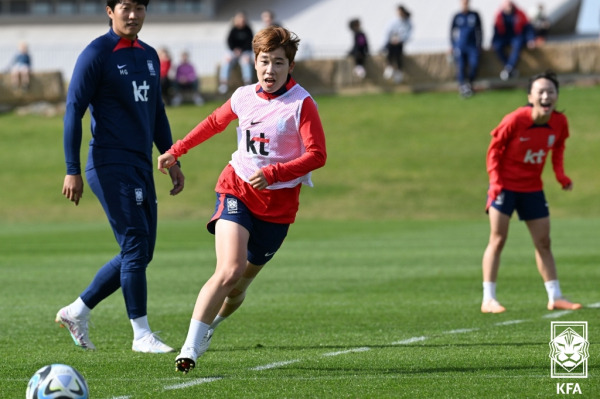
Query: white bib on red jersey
{"x": 268, "y": 132}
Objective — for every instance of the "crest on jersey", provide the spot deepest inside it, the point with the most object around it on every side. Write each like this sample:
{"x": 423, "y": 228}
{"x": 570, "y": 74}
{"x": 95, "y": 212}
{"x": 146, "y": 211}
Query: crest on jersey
{"x": 139, "y": 196}
{"x": 282, "y": 125}
{"x": 151, "y": 68}
{"x": 551, "y": 140}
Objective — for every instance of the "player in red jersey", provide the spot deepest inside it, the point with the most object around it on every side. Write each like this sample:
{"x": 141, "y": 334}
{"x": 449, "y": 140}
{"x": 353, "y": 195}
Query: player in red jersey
{"x": 515, "y": 160}
{"x": 280, "y": 141}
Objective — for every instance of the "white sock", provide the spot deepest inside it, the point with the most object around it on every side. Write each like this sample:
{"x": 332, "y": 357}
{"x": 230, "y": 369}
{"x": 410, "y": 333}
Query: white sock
{"x": 489, "y": 290}
{"x": 79, "y": 309}
{"x": 141, "y": 328}
{"x": 217, "y": 321}
{"x": 195, "y": 334}
{"x": 553, "y": 290}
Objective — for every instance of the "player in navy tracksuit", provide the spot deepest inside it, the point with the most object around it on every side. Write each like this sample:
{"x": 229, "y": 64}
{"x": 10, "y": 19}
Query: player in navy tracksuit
{"x": 466, "y": 38}
{"x": 117, "y": 77}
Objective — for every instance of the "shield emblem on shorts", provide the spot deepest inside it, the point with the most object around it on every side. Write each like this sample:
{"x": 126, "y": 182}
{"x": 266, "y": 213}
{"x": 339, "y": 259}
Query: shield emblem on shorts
{"x": 232, "y": 206}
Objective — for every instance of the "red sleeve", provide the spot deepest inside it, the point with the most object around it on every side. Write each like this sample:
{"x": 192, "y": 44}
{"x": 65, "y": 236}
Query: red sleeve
{"x": 558, "y": 152}
{"x": 313, "y": 137}
{"x": 500, "y": 137}
{"x": 215, "y": 123}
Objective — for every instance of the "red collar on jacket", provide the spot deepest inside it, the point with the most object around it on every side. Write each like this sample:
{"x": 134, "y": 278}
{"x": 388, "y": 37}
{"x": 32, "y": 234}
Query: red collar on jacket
{"x": 126, "y": 43}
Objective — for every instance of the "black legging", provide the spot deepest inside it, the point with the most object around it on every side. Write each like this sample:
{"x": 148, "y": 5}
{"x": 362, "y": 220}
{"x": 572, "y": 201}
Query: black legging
{"x": 395, "y": 55}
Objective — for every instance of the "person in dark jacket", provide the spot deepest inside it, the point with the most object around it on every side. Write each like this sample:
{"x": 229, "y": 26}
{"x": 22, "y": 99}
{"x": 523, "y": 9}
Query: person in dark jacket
{"x": 239, "y": 43}
{"x": 117, "y": 77}
{"x": 513, "y": 30}
{"x": 360, "y": 48}
{"x": 466, "y": 37}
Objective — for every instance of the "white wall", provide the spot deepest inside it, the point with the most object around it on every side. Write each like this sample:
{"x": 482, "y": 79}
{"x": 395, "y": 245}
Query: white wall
{"x": 321, "y": 25}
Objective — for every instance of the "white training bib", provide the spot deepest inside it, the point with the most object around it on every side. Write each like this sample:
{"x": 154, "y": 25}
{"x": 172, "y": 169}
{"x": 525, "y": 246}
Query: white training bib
{"x": 268, "y": 132}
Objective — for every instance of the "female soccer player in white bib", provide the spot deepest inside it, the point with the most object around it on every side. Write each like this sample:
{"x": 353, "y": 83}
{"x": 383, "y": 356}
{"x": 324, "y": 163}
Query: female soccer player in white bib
{"x": 280, "y": 140}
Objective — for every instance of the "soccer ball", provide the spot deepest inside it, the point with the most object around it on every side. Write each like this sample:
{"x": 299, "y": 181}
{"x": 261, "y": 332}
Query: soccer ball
{"x": 57, "y": 381}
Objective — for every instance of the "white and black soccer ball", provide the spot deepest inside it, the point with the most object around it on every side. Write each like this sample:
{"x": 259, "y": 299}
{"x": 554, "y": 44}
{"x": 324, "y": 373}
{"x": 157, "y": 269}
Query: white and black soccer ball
{"x": 57, "y": 381}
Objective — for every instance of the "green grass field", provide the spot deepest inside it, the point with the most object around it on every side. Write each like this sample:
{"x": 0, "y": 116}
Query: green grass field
{"x": 375, "y": 293}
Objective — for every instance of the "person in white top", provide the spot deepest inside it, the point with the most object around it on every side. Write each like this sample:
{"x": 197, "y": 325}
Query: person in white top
{"x": 397, "y": 33}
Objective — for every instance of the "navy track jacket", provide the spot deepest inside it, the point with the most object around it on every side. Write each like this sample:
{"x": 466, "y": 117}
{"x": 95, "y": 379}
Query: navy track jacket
{"x": 119, "y": 80}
